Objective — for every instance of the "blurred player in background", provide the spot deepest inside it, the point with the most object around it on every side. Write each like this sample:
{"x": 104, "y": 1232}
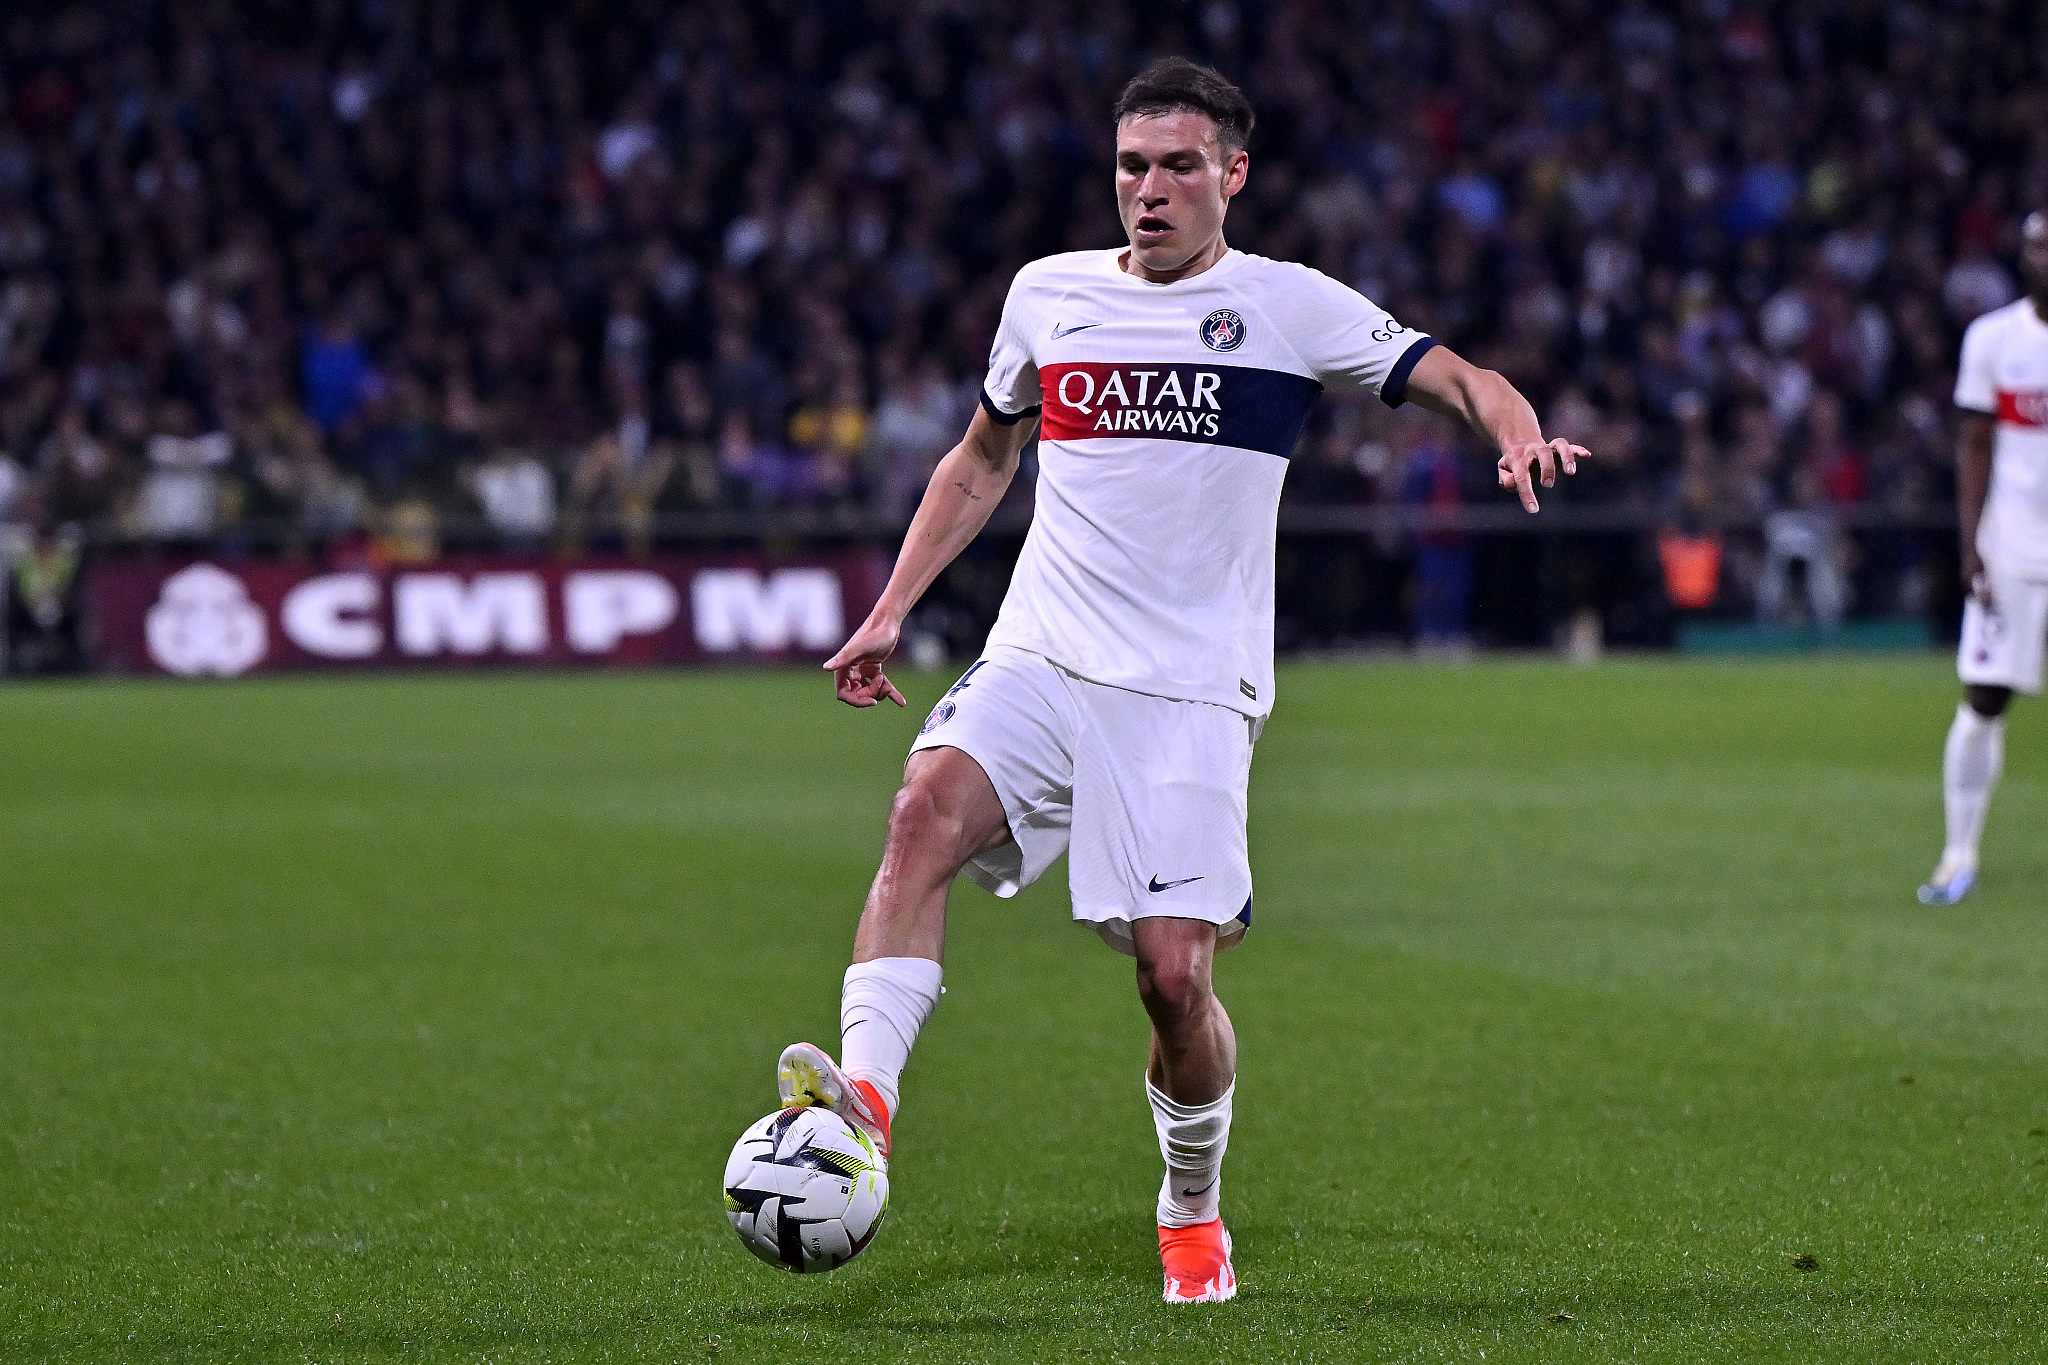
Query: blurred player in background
{"x": 1113, "y": 715}
{"x": 2002, "y": 494}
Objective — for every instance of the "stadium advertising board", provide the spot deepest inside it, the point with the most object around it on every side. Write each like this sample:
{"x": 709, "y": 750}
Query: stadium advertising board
{"x": 222, "y": 618}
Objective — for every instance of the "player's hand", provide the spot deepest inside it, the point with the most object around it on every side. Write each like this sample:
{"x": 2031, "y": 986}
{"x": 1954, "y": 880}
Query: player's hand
{"x": 1975, "y": 579}
{"x": 857, "y": 676}
{"x": 1545, "y": 456}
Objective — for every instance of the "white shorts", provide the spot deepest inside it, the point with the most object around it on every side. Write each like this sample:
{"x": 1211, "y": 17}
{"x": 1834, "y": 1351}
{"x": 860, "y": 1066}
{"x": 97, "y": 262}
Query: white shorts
{"x": 2002, "y": 646}
{"x": 1146, "y": 795}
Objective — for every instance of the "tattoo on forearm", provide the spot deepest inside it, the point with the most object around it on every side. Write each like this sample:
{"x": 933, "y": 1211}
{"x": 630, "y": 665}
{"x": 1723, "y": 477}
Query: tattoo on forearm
{"x": 962, "y": 485}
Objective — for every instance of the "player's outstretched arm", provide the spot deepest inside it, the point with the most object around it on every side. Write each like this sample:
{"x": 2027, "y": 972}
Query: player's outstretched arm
{"x": 1443, "y": 382}
{"x": 963, "y": 491}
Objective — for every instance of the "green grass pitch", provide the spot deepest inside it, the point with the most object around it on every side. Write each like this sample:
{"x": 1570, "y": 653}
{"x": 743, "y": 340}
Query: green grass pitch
{"x": 412, "y": 1019}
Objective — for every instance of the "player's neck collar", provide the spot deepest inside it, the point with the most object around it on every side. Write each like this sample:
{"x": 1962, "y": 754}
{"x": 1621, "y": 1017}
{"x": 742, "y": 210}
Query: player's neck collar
{"x": 1227, "y": 261}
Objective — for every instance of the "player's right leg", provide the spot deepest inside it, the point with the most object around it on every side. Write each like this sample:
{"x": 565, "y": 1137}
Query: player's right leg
{"x": 2001, "y": 652}
{"x": 945, "y": 813}
{"x": 1971, "y": 761}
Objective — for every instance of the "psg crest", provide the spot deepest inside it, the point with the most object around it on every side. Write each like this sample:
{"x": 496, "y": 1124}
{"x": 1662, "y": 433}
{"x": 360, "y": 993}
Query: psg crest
{"x": 1223, "y": 330}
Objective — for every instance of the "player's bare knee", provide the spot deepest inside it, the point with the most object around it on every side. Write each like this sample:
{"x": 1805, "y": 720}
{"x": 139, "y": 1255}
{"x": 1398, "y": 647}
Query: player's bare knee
{"x": 1988, "y": 702}
{"x": 1175, "y": 991}
{"x": 923, "y": 823}
{"x": 946, "y": 810}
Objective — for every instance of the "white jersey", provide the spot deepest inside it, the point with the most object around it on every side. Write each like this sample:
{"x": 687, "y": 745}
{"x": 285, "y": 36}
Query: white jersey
{"x": 2004, "y": 374}
{"x": 1169, "y": 414}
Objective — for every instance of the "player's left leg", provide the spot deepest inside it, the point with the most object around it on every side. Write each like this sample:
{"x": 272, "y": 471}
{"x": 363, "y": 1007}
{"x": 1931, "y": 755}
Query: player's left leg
{"x": 1189, "y": 1081}
{"x": 1160, "y": 865}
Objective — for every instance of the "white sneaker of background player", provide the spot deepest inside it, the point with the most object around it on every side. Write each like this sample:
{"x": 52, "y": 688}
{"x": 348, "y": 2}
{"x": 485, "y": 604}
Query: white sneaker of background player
{"x": 1951, "y": 881}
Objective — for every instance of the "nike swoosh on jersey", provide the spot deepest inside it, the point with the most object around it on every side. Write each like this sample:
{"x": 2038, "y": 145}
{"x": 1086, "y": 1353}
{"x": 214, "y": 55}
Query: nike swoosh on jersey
{"x": 1059, "y": 331}
{"x": 1155, "y": 885}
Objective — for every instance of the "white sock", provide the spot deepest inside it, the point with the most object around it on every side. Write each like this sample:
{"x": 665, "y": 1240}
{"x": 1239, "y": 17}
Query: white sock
{"x": 1970, "y": 764}
{"x": 882, "y": 1006}
{"x": 1192, "y": 1138}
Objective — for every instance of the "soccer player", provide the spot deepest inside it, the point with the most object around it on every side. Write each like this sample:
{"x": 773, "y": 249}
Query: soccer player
{"x": 2002, "y": 497}
{"x": 1131, "y": 667}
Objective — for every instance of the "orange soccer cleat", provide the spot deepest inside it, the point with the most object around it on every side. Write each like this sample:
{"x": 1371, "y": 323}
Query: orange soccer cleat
{"x": 1197, "y": 1263}
{"x": 807, "y": 1076}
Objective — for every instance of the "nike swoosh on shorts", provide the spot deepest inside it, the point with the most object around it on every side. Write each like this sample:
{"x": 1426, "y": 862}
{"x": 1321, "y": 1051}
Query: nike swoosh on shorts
{"x": 1155, "y": 885}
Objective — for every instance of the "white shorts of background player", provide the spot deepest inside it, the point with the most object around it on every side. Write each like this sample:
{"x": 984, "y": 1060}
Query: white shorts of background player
{"x": 1146, "y": 795}
{"x": 2003, "y": 646}
{"x": 1811, "y": 539}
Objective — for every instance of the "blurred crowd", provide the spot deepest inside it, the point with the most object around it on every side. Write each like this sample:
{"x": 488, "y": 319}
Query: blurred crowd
{"x": 380, "y": 266}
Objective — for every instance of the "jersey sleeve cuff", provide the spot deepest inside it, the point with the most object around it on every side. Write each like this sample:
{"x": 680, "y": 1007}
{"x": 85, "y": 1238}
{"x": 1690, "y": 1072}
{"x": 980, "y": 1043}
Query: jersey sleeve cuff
{"x": 1981, "y": 412}
{"x": 998, "y": 416}
{"x": 1395, "y": 391}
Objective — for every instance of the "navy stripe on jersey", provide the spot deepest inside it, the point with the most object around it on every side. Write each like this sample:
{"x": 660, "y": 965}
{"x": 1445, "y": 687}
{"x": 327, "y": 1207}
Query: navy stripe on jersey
{"x": 1395, "y": 391}
{"x": 1007, "y": 419}
{"x": 1223, "y": 405}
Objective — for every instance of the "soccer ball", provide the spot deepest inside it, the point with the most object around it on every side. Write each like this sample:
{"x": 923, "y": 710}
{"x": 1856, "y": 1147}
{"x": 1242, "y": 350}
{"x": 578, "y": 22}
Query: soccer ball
{"x": 805, "y": 1189}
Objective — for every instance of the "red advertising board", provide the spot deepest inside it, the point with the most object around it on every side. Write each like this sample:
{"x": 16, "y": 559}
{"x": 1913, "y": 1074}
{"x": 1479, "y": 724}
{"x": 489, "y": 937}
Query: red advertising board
{"x": 223, "y": 617}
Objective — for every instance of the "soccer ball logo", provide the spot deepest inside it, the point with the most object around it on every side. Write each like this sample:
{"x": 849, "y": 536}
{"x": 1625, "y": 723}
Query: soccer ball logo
{"x": 806, "y": 1190}
{"x": 1223, "y": 330}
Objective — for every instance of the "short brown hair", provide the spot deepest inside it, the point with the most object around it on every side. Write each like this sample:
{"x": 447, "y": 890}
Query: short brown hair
{"x": 1175, "y": 83}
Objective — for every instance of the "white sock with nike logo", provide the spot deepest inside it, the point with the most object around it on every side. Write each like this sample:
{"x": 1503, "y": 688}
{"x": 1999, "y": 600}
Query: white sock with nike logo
{"x": 881, "y": 1007}
{"x": 1192, "y": 1138}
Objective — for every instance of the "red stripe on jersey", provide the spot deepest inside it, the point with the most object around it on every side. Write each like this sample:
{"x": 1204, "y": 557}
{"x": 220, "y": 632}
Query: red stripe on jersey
{"x": 2028, "y": 409}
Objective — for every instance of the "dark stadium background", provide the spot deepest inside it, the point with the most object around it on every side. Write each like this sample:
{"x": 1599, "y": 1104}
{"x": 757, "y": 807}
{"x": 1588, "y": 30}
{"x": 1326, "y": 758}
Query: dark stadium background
{"x": 372, "y": 282}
